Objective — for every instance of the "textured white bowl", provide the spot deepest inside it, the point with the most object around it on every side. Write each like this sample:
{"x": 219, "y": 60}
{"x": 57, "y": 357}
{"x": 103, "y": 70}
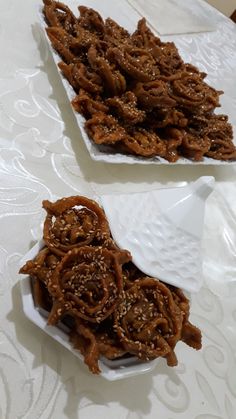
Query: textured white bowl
{"x": 163, "y": 230}
{"x": 110, "y": 370}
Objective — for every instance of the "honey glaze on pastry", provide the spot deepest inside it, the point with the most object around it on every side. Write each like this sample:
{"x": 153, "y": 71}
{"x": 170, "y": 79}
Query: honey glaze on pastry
{"x": 122, "y": 80}
{"x": 112, "y": 309}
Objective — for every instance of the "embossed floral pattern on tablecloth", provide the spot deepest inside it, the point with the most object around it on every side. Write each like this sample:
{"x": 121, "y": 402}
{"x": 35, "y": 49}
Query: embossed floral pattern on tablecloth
{"x": 42, "y": 157}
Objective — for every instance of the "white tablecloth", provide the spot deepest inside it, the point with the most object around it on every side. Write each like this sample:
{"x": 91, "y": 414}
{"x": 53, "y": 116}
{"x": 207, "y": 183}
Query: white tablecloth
{"x": 42, "y": 157}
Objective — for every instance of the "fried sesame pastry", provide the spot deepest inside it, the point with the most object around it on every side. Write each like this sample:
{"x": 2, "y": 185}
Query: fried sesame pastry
{"x": 211, "y": 101}
{"x": 95, "y": 341}
{"x": 91, "y": 20}
{"x": 191, "y": 92}
{"x": 87, "y": 283}
{"x": 220, "y": 133}
{"x": 181, "y": 300}
{"x": 71, "y": 46}
{"x": 84, "y": 340}
{"x": 135, "y": 62}
{"x": 73, "y": 222}
{"x": 81, "y": 77}
{"x": 142, "y": 80}
{"x": 192, "y": 69}
{"x": 114, "y": 81}
{"x": 143, "y": 37}
{"x": 104, "y": 129}
{"x": 173, "y": 138}
{"x": 125, "y": 108}
{"x": 59, "y": 15}
{"x": 61, "y": 42}
{"x": 144, "y": 143}
{"x": 87, "y": 106}
{"x": 188, "y": 90}
{"x": 167, "y": 58}
{"x": 109, "y": 345}
{"x": 42, "y": 298}
{"x": 114, "y": 34}
{"x": 42, "y": 266}
{"x": 83, "y": 40}
{"x": 165, "y": 54}
{"x": 190, "y": 335}
{"x": 130, "y": 274}
{"x": 194, "y": 145}
{"x": 166, "y": 117}
{"x": 199, "y": 122}
{"x": 154, "y": 94}
{"x": 111, "y": 309}
{"x": 216, "y": 123}
{"x": 148, "y": 322}
{"x": 68, "y": 72}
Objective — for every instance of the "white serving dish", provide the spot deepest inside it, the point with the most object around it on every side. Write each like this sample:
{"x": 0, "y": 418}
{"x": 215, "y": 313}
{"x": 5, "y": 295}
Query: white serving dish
{"x": 157, "y": 228}
{"x": 163, "y": 230}
{"x": 110, "y": 370}
{"x": 127, "y": 18}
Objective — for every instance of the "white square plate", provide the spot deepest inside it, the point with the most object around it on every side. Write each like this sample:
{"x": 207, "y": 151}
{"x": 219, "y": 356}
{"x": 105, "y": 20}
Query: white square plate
{"x": 128, "y": 17}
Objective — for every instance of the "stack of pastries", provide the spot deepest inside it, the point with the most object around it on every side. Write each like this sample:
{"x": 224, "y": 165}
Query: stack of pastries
{"x": 135, "y": 92}
{"x": 112, "y": 309}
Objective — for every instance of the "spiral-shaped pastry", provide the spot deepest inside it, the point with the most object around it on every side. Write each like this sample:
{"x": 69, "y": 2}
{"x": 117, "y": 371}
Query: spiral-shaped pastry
{"x": 74, "y": 222}
{"x": 195, "y": 145}
{"x": 188, "y": 90}
{"x": 167, "y": 58}
{"x": 125, "y": 107}
{"x": 154, "y": 94}
{"x": 114, "y": 34}
{"x": 42, "y": 266}
{"x": 81, "y": 77}
{"x": 220, "y": 133}
{"x": 87, "y": 106}
{"x": 59, "y": 15}
{"x": 87, "y": 283}
{"x": 192, "y": 93}
{"x": 144, "y": 143}
{"x": 148, "y": 322}
{"x": 136, "y": 62}
{"x": 91, "y": 20}
{"x": 82, "y": 41}
{"x": 61, "y": 42}
{"x": 143, "y": 37}
{"x": 40, "y": 270}
{"x": 114, "y": 81}
{"x": 84, "y": 281}
{"x": 104, "y": 129}
{"x": 222, "y": 149}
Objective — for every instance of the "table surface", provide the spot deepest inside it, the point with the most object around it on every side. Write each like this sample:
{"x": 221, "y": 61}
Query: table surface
{"x": 42, "y": 157}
